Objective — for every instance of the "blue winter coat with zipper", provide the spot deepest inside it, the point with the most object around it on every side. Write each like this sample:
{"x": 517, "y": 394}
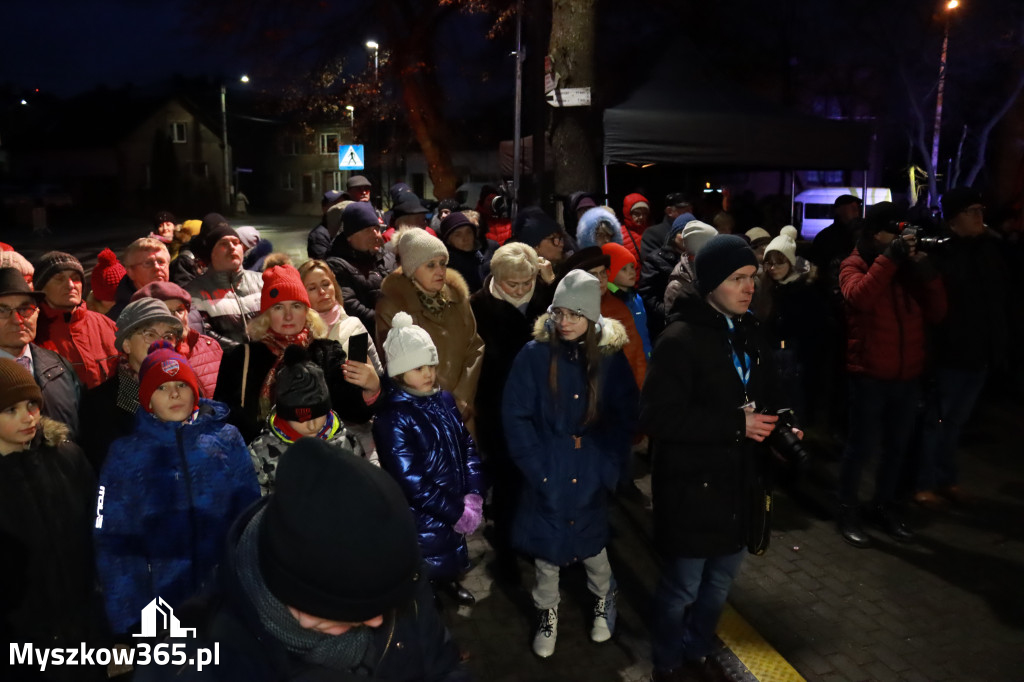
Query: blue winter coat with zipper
{"x": 568, "y": 468}
{"x": 423, "y": 443}
{"x": 167, "y": 496}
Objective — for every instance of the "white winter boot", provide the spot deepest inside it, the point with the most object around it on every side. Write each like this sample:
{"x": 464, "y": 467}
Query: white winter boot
{"x": 605, "y": 614}
{"x": 547, "y": 632}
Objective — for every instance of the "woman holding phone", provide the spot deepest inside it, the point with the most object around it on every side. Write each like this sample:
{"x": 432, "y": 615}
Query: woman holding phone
{"x": 246, "y": 380}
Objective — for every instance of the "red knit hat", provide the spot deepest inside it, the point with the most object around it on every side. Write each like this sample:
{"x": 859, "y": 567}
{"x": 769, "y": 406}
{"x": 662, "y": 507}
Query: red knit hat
{"x": 106, "y": 276}
{"x": 619, "y": 257}
{"x": 164, "y": 364}
{"x": 282, "y": 283}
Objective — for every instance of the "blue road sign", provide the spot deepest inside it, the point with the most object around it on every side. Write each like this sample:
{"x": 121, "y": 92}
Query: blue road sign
{"x": 350, "y": 157}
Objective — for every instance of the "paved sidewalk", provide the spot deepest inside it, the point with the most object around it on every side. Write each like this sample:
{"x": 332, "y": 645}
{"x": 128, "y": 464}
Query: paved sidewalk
{"x": 949, "y": 607}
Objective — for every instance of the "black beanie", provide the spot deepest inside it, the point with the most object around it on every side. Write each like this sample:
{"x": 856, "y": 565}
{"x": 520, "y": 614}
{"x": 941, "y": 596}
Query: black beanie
{"x": 959, "y": 200}
{"x": 301, "y": 388}
{"x": 719, "y": 258}
{"x": 357, "y": 216}
{"x": 532, "y": 225}
{"x": 452, "y": 222}
{"x": 587, "y": 259}
{"x": 884, "y": 216}
{"x": 337, "y": 539}
{"x": 215, "y": 227}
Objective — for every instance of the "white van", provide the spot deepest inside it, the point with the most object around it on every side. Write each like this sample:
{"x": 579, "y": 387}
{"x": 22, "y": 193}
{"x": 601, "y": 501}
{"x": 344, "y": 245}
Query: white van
{"x": 813, "y": 207}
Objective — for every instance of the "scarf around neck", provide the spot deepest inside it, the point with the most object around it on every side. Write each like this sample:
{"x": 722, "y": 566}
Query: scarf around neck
{"x": 332, "y": 316}
{"x": 277, "y": 343}
{"x": 433, "y": 304}
{"x": 517, "y": 303}
{"x": 338, "y": 652}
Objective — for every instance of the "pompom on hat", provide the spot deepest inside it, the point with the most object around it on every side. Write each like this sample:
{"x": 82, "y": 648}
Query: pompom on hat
{"x": 785, "y": 244}
{"x": 282, "y": 283}
{"x": 107, "y": 274}
{"x": 161, "y": 365}
{"x": 408, "y": 346}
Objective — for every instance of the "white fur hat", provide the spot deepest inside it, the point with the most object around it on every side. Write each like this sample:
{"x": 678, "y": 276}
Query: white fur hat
{"x": 408, "y": 346}
{"x": 785, "y": 244}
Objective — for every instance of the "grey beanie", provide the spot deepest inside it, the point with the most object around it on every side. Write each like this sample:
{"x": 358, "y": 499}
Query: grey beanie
{"x": 139, "y": 312}
{"x": 52, "y": 262}
{"x": 580, "y": 292}
{"x": 415, "y": 247}
{"x": 696, "y": 234}
{"x": 408, "y": 346}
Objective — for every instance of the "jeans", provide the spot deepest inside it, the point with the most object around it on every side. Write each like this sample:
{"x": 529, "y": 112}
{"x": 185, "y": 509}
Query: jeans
{"x": 687, "y": 605}
{"x": 599, "y": 579}
{"x": 883, "y": 415}
{"x": 956, "y": 391}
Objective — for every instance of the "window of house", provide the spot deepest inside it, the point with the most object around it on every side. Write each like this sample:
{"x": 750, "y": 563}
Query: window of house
{"x": 286, "y": 181}
{"x": 331, "y": 180}
{"x": 329, "y": 143}
{"x": 197, "y": 169}
{"x": 179, "y": 132}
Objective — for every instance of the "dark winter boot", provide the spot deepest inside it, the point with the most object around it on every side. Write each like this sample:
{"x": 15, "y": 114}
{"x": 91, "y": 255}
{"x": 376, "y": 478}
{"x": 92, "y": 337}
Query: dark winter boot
{"x": 850, "y": 528}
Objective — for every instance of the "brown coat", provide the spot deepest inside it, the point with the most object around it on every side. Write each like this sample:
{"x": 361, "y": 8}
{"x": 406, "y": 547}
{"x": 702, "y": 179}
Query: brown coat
{"x": 459, "y": 348}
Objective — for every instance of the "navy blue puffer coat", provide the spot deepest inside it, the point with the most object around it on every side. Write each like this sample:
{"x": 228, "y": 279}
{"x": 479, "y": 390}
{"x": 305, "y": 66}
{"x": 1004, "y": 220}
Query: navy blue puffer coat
{"x": 422, "y": 442}
{"x": 562, "y": 516}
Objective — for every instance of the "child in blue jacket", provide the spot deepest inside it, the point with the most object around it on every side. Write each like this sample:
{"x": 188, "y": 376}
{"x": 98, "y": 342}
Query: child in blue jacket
{"x": 168, "y": 492}
{"x": 422, "y": 442}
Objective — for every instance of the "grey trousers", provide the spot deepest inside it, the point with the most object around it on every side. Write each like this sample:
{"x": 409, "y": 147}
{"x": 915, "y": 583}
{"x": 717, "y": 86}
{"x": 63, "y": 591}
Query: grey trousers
{"x": 599, "y": 579}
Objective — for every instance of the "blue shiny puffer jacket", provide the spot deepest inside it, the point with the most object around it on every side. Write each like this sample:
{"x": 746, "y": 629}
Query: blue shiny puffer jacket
{"x": 168, "y": 495}
{"x": 422, "y": 442}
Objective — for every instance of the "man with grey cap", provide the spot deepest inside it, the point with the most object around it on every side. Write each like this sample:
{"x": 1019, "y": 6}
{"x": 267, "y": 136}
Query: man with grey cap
{"x": 19, "y": 312}
{"x": 227, "y": 295}
{"x": 108, "y": 410}
{"x": 322, "y": 579}
{"x": 359, "y": 263}
{"x": 708, "y": 413}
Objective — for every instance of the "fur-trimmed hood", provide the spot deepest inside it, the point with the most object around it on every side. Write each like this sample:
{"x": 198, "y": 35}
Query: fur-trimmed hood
{"x": 400, "y": 288}
{"x": 613, "y": 334}
{"x": 51, "y": 433}
{"x": 586, "y": 229}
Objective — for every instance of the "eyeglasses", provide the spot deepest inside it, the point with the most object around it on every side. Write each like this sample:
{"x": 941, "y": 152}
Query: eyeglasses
{"x": 150, "y": 335}
{"x": 562, "y": 314}
{"x": 23, "y": 311}
{"x": 769, "y": 265}
{"x": 555, "y": 239}
{"x": 150, "y": 263}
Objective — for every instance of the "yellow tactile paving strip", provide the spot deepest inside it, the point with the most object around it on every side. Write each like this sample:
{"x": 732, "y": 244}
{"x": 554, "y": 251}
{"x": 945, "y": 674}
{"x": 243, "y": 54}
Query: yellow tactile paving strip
{"x": 763, "y": 661}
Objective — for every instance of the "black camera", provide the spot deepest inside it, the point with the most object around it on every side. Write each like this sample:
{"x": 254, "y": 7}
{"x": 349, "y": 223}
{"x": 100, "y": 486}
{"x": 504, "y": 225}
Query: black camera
{"x": 921, "y": 241}
{"x": 785, "y": 442}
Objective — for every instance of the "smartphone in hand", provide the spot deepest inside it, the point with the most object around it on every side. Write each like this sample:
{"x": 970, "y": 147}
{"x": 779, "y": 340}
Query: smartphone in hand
{"x": 358, "y": 346}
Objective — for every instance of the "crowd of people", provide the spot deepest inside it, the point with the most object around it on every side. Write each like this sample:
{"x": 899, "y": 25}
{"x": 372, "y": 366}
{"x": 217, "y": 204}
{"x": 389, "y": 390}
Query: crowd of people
{"x": 342, "y": 425}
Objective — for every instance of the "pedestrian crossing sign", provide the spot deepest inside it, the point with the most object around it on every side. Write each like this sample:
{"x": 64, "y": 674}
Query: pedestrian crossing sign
{"x": 350, "y": 157}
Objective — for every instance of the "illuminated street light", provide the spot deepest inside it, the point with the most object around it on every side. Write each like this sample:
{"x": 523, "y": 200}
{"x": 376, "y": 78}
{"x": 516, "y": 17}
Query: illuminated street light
{"x": 351, "y": 116}
{"x": 372, "y": 44}
{"x": 24, "y": 102}
{"x": 244, "y": 78}
{"x": 224, "y": 141}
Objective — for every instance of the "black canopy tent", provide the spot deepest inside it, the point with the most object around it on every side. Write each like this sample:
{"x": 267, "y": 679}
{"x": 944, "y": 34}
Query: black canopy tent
{"x": 694, "y": 118}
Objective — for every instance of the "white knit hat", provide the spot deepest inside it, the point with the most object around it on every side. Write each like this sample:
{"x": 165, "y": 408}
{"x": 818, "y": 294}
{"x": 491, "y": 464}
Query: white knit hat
{"x": 408, "y": 346}
{"x": 416, "y": 247}
{"x": 696, "y": 234}
{"x": 785, "y": 244}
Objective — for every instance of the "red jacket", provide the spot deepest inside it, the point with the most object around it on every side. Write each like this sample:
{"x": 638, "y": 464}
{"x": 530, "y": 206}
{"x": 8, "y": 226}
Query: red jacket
{"x": 85, "y": 338}
{"x": 886, "y": 311}
{"x": 631, "y": 232}
{"x": 204, "y": 354}
{"x": 613, "y": 308}
{"x": 498, "y": 229}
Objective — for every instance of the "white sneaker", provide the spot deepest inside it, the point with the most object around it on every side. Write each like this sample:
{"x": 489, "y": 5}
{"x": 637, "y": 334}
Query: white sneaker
{"x": 547, "y": 632}
{"x": 605, "y": 615}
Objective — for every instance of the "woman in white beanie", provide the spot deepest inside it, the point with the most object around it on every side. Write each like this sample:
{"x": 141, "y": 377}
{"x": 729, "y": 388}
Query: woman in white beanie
{"x": 437, "y": 298}
{"x": 570, "y": 412}
{"x": 793, "y": 310}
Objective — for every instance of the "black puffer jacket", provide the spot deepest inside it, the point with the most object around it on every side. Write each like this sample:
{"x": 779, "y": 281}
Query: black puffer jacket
{"x": 360, "y": 276}
{"x": 651, "y": 287}
{"x": 346, "y": 399}
{"x": 706, "y": 474}
{"x": 411, "y": 645}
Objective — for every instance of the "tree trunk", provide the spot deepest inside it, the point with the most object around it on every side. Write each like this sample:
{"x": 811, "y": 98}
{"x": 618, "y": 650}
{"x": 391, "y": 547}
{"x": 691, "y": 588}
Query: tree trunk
{"x": 572, "y": 52}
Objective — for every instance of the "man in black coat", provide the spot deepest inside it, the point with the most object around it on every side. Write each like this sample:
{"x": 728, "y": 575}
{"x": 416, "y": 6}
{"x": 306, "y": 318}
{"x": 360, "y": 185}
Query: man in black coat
{"x": 322, "y": 580}
{"x": 359, "y": 263}
{"x": 708, "y": 404}
{"x": 655, "y": 236}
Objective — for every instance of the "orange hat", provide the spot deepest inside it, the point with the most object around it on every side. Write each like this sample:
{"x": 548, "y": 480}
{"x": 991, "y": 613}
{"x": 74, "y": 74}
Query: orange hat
{"x": 619, "y": 257}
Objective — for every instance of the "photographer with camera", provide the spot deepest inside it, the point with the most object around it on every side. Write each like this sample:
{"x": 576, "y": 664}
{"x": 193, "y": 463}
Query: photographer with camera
{"x": 972, "y": 339}
{"x": 710, "y": 401}
{"x": 891, "y": 291}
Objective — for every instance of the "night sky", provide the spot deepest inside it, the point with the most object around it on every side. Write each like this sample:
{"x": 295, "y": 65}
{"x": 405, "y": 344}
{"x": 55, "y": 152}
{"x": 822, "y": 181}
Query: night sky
{"x": 64, "y": 47}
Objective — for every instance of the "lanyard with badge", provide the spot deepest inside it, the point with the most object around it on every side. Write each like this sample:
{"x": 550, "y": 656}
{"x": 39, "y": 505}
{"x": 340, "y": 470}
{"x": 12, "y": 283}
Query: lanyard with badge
{"x": 741, "y": 361}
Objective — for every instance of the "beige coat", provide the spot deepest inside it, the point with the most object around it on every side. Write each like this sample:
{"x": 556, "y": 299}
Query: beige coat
{"x": 459, "y": 348}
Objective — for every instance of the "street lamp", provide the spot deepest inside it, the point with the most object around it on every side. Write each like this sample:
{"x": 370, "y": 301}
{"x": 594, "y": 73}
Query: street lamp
{"x": 950, "y": 6}
{"x": 351, "y": 119}
{"x": 375, "y": 46}
{"x": 224, "y": 140}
